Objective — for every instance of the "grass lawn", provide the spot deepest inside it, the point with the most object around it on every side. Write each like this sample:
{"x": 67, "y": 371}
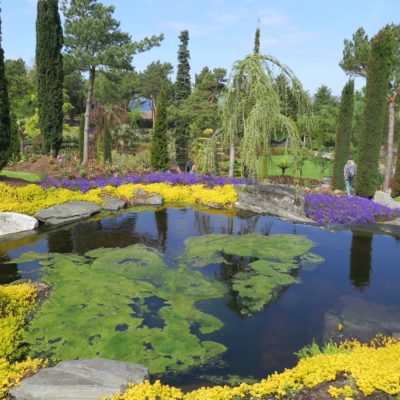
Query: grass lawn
{"x": 27, "y": 176}
{"x": 310, "y": 169}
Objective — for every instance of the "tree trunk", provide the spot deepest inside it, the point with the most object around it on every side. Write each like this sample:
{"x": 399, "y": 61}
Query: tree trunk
{"x": 389, "y": 161}
{"x": 92, "y": 73}
{"x": 21, "y": 142}
{"x": 232, "y": 158}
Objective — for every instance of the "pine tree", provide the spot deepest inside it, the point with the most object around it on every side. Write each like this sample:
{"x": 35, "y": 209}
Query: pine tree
{"x": 159, "y": 143}
{"x": 50, "y": 74}
{"x": 107, "y": 157}
{"x": 5, "y": 120}
{"x": 378, "y": 71}
{"x": 182, "y": 92}
{"x": 343, "y": 134}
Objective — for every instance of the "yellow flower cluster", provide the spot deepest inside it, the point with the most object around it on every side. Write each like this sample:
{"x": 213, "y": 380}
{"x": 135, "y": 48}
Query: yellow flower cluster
{"x": 12, "y": 374}
{"x": 16, "y": 302}
{"x": 32, "y": 198}
{"x": 373, "y": 366}
{"x": 345, "y": 391}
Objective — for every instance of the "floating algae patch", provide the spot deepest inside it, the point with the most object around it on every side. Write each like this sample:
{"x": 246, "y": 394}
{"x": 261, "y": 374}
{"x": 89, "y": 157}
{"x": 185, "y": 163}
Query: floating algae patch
{"x": 265, "y": 263}
{"x": 124, "y": 304}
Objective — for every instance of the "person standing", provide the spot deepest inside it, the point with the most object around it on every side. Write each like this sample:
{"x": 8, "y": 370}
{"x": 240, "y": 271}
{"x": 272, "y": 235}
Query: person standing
{"x": 350, "y": 171}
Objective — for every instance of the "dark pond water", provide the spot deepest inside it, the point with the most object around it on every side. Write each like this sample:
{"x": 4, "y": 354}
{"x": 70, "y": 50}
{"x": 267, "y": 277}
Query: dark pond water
{"x": 356, "y": 285}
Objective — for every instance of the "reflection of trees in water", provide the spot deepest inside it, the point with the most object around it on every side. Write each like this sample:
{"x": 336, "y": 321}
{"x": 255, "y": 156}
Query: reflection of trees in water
{"x": 360, "y": 259}
{"x": 8, "y": 272}
{"x": 267, "y": 229}
{"x": 202, "y": 223}
{"x": 85, "y": 236}
{"x": 249, "y": 225}
{"x": 161, "y": 216}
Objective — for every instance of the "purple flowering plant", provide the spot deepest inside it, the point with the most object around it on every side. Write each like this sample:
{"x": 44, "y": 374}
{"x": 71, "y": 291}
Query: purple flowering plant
{"x": 84, "y": 184}
{"x": 329, "y": 209}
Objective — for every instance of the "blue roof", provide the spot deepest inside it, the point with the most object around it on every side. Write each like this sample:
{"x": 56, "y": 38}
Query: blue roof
{"x": 142, "y": 104}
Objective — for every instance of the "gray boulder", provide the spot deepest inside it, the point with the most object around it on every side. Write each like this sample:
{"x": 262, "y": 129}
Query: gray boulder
{"x": 11, "y": 222}
{"x": 142, "y": 198}
{"x": 68, "y": 212}
{"x": 385, "y": 199}
{"x": 282, "y": 201}
{"x": 113, "y": 204}
{"x": 80, "y": 379}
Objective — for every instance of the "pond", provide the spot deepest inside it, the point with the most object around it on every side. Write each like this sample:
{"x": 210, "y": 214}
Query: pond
{"x": 179, "y": 295}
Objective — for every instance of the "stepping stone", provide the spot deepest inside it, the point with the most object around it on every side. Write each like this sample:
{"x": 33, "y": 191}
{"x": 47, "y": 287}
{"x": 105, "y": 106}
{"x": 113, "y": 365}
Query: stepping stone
{"x": 89, "y": 379}
{"x": 11, "y": 222}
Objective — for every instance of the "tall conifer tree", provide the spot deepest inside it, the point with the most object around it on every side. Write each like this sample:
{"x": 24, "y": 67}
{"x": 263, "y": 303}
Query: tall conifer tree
{"x": 5, "y": 120}
{"x": 159, "y": 143}
{"x": 107, "y": 156}
{"x": 343, "y": 134}
{"x": 396, "y": 178}
{"x": 378, "y": 71}
{"x": 50, "y": 74}
{"x": 257, "y": 42}
{"x": 182, "y": 92}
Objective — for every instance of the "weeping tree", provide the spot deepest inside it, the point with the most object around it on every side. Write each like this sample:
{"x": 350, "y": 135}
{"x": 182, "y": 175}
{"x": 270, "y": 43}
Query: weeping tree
{"x": 343, "y": 134}
{"x": 252, "y": 112}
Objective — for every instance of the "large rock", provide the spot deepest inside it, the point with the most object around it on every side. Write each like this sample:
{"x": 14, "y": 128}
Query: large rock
{"x": 68, "y": 212}
{"x": 113, "y": 204}
{"x": 11, "y": 222}
{"x": 282, "y": 201}
{"x": 142, "y": 198}
{"x": 385, "y": 199}
{"x": 80, "y": 379}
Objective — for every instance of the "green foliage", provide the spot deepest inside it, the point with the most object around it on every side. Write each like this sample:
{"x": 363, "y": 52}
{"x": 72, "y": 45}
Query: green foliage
{"x": 343, "y": 134}
{"x": 380, "y": 62}
{"x": 5, "y": 119}
{"x": 124, "y": 304}
{"x": 182, "y": 92}
{"x": 255, "y": 283}
{"x": 27, "y": 176}
{"x": 50, "y": 74}
{"x": 314, "y": 349}
{"x": 107, "y": 158}
{"x": 262, "y": 167}
{"x": 252, "y": 107}
{"x": 284, "y": 164}
{"x": 74, "y": 88}
{"x": 159, "y": 142}
{"x": 257, "y": 42}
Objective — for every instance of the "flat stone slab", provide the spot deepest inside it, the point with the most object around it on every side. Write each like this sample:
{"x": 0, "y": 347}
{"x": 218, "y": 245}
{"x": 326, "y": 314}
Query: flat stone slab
{"x": 142, "y": 198}
{"x": 68, "y": 212}
{"x": 11, "y": 223}
{"x": 80, "y": 379}
{"x": 113, "y": 204}
{"x": 282, "y": 201}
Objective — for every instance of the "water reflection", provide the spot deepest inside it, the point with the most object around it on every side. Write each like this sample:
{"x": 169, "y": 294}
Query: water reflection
{"x": 8, "y": 272}
{"x": 161, "y": 216}
{"x": 360, "y": 259}
{"x": 202, "y": 223}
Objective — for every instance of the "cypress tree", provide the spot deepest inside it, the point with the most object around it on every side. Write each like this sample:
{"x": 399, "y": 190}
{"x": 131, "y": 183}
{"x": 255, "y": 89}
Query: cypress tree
{"x": 257, "y": 42}
{"x": 81, "y": 135}
{"x": 343, "y": 134}
{"x": 378, "y": 71}
{"x": 159, "y": 143}
{"x": 107, "y": 157}
{"x": 50, "y": 74}
{"x": 5, "y": 119}
{"x": 182, "y": 92}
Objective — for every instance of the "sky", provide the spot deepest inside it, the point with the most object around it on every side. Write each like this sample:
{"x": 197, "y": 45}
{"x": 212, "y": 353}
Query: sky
{"x": 306, "y": 35}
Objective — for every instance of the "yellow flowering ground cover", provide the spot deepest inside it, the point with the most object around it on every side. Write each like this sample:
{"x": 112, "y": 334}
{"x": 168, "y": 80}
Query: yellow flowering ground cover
{"x": 33, "y": 198}
{"x": 374, "y": 366}
{"x": 16, "y": 302}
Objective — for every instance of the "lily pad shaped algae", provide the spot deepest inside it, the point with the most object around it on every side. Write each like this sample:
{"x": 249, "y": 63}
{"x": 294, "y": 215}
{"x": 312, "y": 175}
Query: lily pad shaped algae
{"x": 261, "y": 265}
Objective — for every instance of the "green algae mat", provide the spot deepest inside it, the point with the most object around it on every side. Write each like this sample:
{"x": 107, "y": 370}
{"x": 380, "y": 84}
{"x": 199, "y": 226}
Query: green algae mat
{"x": 127, "y": 304}
{"x": 262, "y": 265}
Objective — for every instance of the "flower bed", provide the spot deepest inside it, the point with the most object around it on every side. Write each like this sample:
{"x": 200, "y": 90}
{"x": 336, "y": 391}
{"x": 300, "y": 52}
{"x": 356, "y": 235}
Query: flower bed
{"x": 32, "y": 198}
{"x": 85, "y": 185}
{"x": 329, "y": 209}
